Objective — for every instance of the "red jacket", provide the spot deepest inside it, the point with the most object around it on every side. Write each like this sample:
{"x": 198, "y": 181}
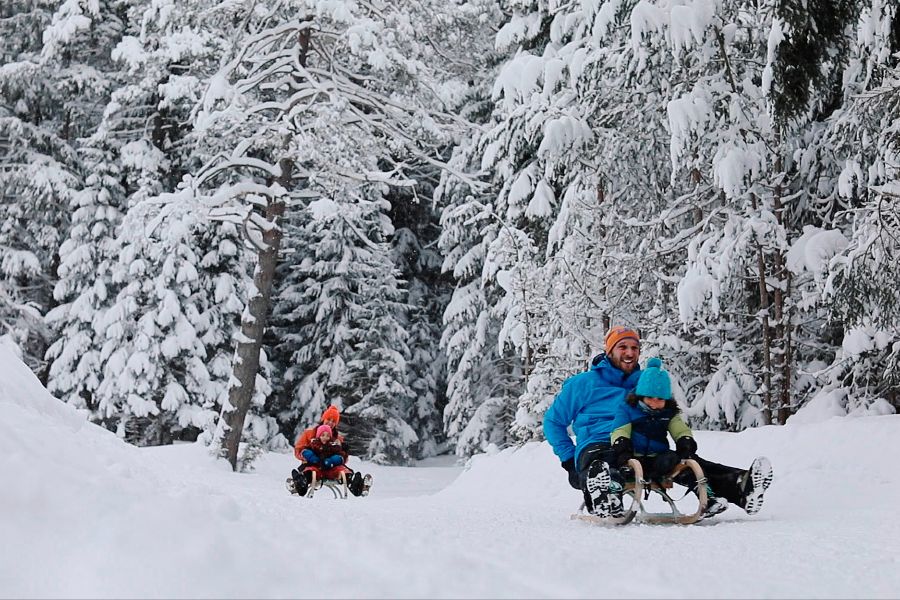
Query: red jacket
{"x": 328, "y": 450}
{"x": 309, "y": 435}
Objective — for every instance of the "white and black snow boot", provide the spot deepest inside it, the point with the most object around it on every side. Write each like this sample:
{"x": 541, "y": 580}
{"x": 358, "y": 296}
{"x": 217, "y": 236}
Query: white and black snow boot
{"x": 597, "y": 496}
{"x": 754, "y": 484}
{"x": 714, "y": 505}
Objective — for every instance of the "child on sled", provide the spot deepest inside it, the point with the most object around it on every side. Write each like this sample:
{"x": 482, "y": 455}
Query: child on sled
{"x": 324, "y": 456}
{"x": 640, "y": 428}
{"x": 313, "y": 453}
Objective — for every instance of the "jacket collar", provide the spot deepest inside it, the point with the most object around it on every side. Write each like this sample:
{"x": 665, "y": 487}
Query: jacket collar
{"x": 615, "y": 377}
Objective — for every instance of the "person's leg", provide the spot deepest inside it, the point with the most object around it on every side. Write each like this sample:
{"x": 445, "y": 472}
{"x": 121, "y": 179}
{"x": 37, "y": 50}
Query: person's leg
{"x": 724, "y": 481}
{"x": 742, "y": 487}
{"x": 598, "y": 451}
{"x": 356, "y": 482}
{"x": 656, "y": 467}
{"x": 714, "y": 503}
{"x": 335, "y": 473}
{"x": 301, "y": 480}
{"x": 600, "y": 483}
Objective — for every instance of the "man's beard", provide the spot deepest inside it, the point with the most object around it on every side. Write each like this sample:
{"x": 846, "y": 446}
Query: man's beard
{"x": 628, "y": 369}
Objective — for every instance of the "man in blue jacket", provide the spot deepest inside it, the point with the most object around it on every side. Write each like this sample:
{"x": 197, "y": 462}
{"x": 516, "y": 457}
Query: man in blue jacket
{"x": 589, "y": 402}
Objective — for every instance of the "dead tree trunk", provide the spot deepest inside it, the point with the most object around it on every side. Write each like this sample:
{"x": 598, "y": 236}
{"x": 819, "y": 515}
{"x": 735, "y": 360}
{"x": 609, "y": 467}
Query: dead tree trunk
{"x": 253, "y": 324}
{"x": 782, "y": 314}
{"x": 766, "y": 331}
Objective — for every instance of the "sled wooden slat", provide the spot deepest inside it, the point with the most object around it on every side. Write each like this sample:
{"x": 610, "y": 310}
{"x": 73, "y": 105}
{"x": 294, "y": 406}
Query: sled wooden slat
{"x": 635, "y": 489}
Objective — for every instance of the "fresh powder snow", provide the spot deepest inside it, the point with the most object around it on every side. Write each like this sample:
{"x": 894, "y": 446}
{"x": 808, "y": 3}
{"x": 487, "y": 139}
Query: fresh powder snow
{"x": 85, "y": 515}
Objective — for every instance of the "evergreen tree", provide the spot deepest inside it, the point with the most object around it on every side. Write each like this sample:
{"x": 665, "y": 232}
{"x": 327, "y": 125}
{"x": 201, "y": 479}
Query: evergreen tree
{"x": 344, "y": 95}
{"x": 85, "y": 282}
{"x": 857, "y": 284}
{"x": 152, "y": 327}
{"x": 55, "y": 75}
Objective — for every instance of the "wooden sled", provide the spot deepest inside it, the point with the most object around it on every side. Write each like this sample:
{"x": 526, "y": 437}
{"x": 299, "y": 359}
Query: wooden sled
{"x": 339, "y": 487}
{"x": 639, "y": 490}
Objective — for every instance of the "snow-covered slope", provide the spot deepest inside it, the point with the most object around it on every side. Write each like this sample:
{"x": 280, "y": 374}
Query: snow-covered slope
{"x": 82, "y": 514}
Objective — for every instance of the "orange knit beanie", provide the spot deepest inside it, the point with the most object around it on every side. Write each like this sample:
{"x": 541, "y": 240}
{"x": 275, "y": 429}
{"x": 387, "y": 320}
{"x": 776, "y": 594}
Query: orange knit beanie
{"x": 619, "y": 333}
{"x": 332, "y": 413}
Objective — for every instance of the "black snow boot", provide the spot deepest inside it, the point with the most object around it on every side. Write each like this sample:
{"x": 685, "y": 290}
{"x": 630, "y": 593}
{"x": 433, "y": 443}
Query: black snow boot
{"x": 356, "y": 484}
{"x": 301, "y": 482}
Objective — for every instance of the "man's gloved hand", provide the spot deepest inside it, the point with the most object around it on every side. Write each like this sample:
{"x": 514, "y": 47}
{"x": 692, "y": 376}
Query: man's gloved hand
{"x": 332, "y": 461}
{"x": 685, "y": 447}
{"x": 310, "y": 456}
{"x": 569, "y": 466}
{"x": 624, "y": 451}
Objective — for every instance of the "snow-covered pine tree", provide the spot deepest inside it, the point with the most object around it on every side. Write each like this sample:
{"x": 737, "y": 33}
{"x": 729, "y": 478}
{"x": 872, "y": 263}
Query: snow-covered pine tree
{"x": 579, "y": 162}
{"x": 736, "y": 123}
{"x": 166, "y": 334}
{"x": 84, "y": 284}
{"x": 858, "y": 283}
{"x": 173, "y": 293}
{"x": 418, "y": 260}
{"x": 53, "y": 81}
{"x": 341, "y": 93}
{"x": 491, "y": 256}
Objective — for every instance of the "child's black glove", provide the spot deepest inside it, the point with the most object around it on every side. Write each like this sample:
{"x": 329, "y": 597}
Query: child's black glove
{"x": 624, "y": 451}
{"x": 685, "y": 447}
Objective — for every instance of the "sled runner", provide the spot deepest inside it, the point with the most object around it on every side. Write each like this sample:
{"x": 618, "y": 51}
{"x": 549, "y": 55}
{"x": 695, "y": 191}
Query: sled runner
{"x": 340, "y": 488}
{"x": 639, "y": 491}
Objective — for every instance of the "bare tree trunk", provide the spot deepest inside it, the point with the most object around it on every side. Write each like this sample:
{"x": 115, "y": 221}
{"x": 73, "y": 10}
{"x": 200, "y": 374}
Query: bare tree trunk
{"x": 253, "y": 325}
{"x": 782, "y": 329}
{"x": 767, "y": 335}
{"x": 787, "y": 406}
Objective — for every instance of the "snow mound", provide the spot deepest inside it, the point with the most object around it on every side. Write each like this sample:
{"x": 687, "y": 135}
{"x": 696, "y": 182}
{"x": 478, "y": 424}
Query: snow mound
{"x": 83, "y": 514}
{"x": 809, "y": 459}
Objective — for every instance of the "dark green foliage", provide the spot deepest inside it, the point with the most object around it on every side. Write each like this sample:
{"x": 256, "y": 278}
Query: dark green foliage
{"x": 812, "y": 55}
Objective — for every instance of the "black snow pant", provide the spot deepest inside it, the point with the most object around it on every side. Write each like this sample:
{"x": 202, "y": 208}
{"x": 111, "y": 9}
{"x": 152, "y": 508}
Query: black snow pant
{"x": 724, "y": 481}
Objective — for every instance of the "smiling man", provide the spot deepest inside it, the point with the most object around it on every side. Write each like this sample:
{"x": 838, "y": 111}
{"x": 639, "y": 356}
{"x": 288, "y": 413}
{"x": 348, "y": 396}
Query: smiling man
{"x": 589, "y": 402}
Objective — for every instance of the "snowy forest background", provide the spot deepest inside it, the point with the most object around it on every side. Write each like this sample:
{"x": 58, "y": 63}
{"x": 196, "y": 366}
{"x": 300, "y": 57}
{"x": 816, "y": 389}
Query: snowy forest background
{"x": 437, "y": 208}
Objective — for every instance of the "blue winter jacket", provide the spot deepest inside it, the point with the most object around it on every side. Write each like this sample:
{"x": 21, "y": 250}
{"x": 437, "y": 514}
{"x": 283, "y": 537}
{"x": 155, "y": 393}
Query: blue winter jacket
{"x": 589, "y": 402}
{"x": 648, "y": 428}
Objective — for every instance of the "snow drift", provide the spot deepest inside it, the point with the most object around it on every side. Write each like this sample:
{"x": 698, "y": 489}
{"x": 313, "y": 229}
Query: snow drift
{"x": 83, "y": 514}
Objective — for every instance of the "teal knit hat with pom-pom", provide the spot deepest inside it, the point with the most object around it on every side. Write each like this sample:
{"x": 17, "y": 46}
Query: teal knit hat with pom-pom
{"x": 654, "y": 381}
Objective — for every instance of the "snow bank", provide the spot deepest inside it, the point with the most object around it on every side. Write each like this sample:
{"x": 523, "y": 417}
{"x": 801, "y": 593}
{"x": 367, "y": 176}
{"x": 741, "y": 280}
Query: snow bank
{"x": 82, "y": 514}
{"x": 808, "y": 459}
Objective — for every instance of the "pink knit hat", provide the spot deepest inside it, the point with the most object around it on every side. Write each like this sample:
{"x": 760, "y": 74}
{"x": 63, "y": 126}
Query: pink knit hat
{"x": 322, "y": 429}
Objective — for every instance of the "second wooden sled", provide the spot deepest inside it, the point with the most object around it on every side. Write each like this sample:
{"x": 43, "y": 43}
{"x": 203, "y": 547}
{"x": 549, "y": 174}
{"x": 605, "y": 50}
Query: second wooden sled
{"x": 639, "y": 491}
{"x": 339, "y": 487}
